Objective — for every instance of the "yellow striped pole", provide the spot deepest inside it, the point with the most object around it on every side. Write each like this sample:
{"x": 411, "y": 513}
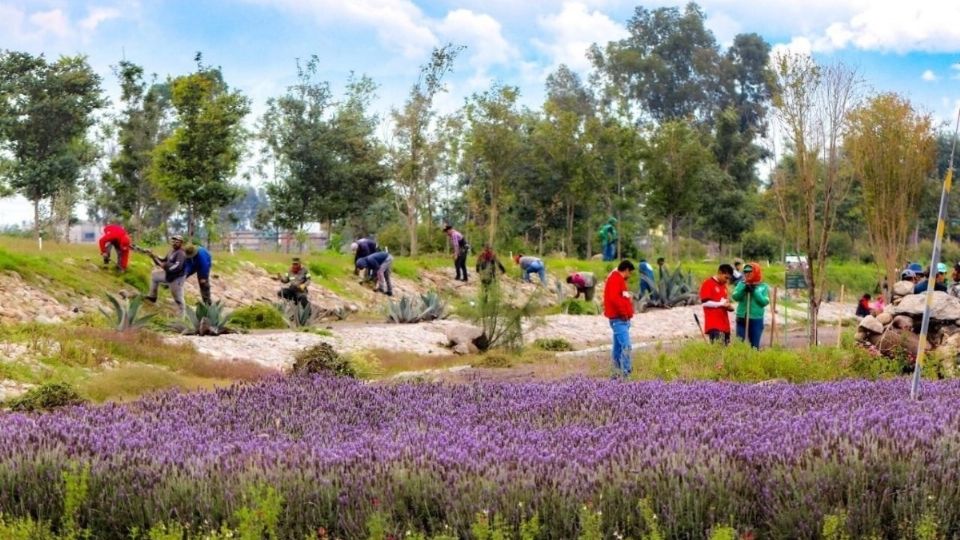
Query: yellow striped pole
{"x": 934, "y": 261}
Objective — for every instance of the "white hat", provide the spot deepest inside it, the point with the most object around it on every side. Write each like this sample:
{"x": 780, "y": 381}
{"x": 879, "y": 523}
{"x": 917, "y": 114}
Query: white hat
{"x": 354, "y": 246}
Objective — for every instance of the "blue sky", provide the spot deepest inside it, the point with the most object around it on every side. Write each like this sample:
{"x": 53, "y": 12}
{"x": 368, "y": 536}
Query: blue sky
{"x": 909, "y": 48}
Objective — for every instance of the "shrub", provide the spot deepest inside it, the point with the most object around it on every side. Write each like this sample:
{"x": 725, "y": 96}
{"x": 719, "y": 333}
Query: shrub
{"x": 760, "y": 246}
{"x": 840, "y": 246}
{"x": 690, "y": 249}
{"x": 552, "y": 344}
{"x": 495, "y": 360}
{"x": 675, "y": 288}
{"x": 45, "y": 397}
{"x": 205, "y": 320}
{"x": 414, "y": 309}
{"x": 501, "y": 322}
{"x": 124, "y": 316}
{"x": 322, "y": 358}
{"x": 258, "y": 316}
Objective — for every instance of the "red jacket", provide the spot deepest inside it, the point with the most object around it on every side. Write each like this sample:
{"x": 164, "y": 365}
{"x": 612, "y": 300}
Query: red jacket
{"x": 616, "y": 305}
{"x": 113, "y": 233}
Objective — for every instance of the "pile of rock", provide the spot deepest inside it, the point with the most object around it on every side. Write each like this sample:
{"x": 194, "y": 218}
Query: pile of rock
{"x": 895, "y": 331}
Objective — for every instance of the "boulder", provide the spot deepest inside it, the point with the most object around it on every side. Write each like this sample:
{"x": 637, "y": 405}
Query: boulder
{"x": 896, "y": 341}
{"x": 903, "y": 322}
{"x": 462, "y": 338}
{"x": 860, "y": 335}
{"x": 903, "y": 288}
{"x": 871, "y": 324}
{"x": 885, "y": 318}
{"x": 944, "y": 308}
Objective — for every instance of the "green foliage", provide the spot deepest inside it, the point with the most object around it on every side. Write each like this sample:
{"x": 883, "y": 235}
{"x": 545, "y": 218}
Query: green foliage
{"x": 928, "y": 528}
{"x": 675, "y": 288}
{"x": 485, "y": 528}
{"x": 25, "y": 528}
{"x": 835, "y": 526}
{"x": 205, "y": 320}
{"x": 495, "y": 360}
{"x": 296, "y": 316}
{"x": 415, "y": 309}
{"x": 259, "y": 516}
{"x": 552, "y": 344}
{"x": 502, "y": 323}
{"x": 723, "y": 532}
{"x": 378, "y": 526}
{"x": 124, "y": 317}
{"x": 45, "y": 397}
{"x": 321, "y": 358}
{"x": 590, "y": 524}
{"x": 258, "y": 316}
{"x": 840, "y": 246}
{"x": 760, "y": 246}
{"x": 75, "y": 487}
{"x": 365, "y": 364}
{"x": 650, "y": 520}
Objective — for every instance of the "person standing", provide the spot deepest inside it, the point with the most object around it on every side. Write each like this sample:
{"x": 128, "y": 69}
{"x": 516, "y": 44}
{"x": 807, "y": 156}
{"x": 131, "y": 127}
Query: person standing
{"x": 379, "y": 264}
{"x": 939, "y": 280}
{"x": 199, "y": 262}
{"x": 585, "y": 283}
{"x": 460, "y": 249}
{"x": 646, "y": 271}
{"x": 297, "y": 280}
{"x": 752, "y": 297}
{"x": 954, "y": 289}
{"x": 737, "y": 271}
{"x": 608, "y": 239}
{"x": 618, "y": 308}
{"x": 529, "y": 265}
{"x": 171, "y": 272}
{"x": 115, "y": 238}
{"x": 716, "y": 305}
{"x": 487, "y": 266}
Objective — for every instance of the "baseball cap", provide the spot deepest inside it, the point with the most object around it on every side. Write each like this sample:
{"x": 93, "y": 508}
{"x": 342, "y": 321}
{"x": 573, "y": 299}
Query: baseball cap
{"x": 915, "y": 268}
{"x": 941, "y": 268}
{"x": 908, "y": 274}
{"x": 190, "y": 250}
{"x": 176, "y": 237}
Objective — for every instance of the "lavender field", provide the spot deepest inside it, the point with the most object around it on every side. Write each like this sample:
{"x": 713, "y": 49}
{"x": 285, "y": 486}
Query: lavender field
{"x": 771, "y": 459}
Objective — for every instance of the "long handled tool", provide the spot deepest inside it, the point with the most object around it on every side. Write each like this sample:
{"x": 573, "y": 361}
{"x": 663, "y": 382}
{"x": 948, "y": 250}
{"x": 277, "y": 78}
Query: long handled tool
{"x": 700, "y": 327}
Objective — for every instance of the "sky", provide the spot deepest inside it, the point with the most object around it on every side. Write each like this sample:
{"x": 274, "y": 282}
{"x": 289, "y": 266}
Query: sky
{"x": 912, "y": 48}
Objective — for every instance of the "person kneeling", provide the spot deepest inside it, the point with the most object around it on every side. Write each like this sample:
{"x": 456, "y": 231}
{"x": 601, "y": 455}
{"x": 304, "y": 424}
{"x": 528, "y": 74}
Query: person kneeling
{"x": 298, "y": 278}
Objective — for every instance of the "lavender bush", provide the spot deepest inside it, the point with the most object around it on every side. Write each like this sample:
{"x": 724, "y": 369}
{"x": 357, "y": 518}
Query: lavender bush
{"x": 772, "y": 459}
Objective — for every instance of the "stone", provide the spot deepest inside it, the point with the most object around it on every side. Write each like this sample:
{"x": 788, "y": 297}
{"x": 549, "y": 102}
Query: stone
{"x": 885, "y": 318}
{"x": 462, "y": 334}
{"x": 465, "y": 348}
{"x": 944, "y": 308}
{"x": 903, "y": 288}
{"x": 44, "y": 319}
{"x": 895, "y": 341}
{"x": 860, "y": 336}
{"x": 870, "y": 323}
{"x": 903, "y": 322}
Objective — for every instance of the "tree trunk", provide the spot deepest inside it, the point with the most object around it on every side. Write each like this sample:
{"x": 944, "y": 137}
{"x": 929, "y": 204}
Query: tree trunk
{"x": 412, "y": 230}
{"x": 540, "y": 239}
{"x": 569, "y": 242}
{"x": 672, "y": 236}
{"x": 36, "y": 220}
{"x": 492, "y": 226}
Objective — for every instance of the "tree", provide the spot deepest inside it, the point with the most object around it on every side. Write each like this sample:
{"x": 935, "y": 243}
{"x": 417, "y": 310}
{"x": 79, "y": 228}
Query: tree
{"x": 416, "y": 154}
{"x": 45, "y": 111}
{"x": 128, "y": 191}
{"x": 195, "y": 164}
{"x": 676, "y": 164}
{"x": 813, "y": 104}
{"x": 494, "y": 150}
{"x": 893, "y": 150}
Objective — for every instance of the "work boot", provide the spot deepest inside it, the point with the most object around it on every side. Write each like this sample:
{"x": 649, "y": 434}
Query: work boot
{"x": 151, "y": 299}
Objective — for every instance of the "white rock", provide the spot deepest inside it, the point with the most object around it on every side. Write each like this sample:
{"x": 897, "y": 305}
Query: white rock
{"x": 944, "y": 308}
{"x": 903, "y": 288}
{"x": 872, "y": 324}
{"x": 885, "y": 318}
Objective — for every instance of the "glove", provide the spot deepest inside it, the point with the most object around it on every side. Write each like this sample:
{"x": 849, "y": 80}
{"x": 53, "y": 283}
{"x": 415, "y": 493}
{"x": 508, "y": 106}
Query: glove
{"x": 106, "y": 259}
{"x": 749, "y": 287}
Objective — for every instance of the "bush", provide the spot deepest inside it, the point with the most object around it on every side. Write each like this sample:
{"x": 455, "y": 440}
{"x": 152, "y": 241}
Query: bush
{"x": 396, "y": 238}
{"x": 321, "y": 358}
{"x": 495, "y": 360}
{"x": 45, "y": 397}
{"x": 690, "y": 249}
{"x": 761, "y": 246}
{"x": 840, "y": 246}
{"x": 258, "y": 316}
{"x": 552, "y": 344}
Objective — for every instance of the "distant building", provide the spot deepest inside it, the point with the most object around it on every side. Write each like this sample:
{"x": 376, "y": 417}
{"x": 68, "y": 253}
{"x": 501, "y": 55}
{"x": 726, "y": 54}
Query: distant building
{"x": 86, "y": 232}
{"x": 273, "y": 241}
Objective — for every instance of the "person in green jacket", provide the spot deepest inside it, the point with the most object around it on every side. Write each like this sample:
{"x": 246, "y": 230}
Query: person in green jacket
{"x": 608, "y": 239}
{"x": 752, "y": 296}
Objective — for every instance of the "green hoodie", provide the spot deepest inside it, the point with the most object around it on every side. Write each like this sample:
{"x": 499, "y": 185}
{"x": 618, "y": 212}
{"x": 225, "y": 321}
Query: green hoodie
{"x": 759, "y": 299}
{"x": 608, "y": 231}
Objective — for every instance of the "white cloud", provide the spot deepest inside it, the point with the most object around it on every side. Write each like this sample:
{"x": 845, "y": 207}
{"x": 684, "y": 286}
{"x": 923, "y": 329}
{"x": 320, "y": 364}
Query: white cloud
{"x": 571, "y": 32}
{"x": 929, "y": 76}
{"x": 51, "y": 22}
{"x": 97, "y": 15}
{"x": 398, "y": 23}
{"x": 481, "y": 33}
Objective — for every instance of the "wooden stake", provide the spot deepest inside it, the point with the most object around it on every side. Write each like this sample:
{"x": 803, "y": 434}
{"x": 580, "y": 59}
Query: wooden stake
{"x": 773, "y": 324}
{"x": 840, "y": 318}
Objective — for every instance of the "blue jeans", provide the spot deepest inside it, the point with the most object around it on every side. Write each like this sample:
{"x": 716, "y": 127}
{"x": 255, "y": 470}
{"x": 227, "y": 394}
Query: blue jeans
{"x": 621, "y": 354}
{"x": 756, "y": 331}
{"x": 540, "y": 271}
{"x": 610, "y": 251}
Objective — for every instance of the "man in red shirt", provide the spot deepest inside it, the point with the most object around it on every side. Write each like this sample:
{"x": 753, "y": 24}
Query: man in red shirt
{"x": 115, "y": 237}
{"x": 716, "y": 305}
{"x": 618, "y": 307}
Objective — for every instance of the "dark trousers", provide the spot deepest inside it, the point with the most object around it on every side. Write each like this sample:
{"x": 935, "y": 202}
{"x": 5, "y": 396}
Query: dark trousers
{"x": 204, "y": 283}
{"x": 716, "y": 335}
{"x": 294, "y": 294}
{"x": 756, "y": 331}
{"x": 460, "y": 263}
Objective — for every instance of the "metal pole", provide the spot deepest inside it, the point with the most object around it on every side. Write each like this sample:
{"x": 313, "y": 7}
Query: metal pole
{"x": 773, "y": 322}
{"x": 934, "y": 261}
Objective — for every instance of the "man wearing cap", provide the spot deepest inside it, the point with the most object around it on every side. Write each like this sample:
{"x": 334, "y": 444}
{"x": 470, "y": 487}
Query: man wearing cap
{"x": 199, "y": 262}
{"x": 585, "y": 283}
{"x": 939, "y": 281}
{"x": 460, "y": 249}
{"x": 379, "y": 264}
{"x": 171, "y": 273}
{"x": 298, "y": 278}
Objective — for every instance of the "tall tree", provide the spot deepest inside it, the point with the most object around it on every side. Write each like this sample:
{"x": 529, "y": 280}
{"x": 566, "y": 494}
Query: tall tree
{"x": 494, "y": 149}
{"x": 196, "y": 163}
{"x": 128, "y": 191}
{"x": 416, "y": 154}
{"x": 677, "y": 163}
{"x": 893, "y": 149}
{"x": 45, "y": 111}
{"x": 813, "y": 104}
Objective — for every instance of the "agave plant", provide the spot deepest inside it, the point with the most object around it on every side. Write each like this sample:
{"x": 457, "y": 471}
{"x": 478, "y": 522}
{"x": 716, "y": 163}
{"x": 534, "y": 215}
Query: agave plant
{"x": 124, "y": 316}
{"x": 413, "y": 309}
{"x": 296, "y": 314}
{"x": 673, "y": 289}
{"x": 205, "y": 320}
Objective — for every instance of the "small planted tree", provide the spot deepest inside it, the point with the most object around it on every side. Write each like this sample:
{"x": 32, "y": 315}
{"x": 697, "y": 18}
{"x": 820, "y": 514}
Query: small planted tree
{"x": 501, "y": 322}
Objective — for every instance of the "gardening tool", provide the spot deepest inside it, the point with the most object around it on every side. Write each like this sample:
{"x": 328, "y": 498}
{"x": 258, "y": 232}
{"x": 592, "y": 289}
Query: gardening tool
{"x": 700, "y": 327}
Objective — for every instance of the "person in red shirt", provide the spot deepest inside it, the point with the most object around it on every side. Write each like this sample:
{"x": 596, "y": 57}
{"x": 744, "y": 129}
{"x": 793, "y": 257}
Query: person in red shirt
{"x": 115, "y": 237}
{"x": 716, "y": 305}
{"x": 618, "y": 307}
